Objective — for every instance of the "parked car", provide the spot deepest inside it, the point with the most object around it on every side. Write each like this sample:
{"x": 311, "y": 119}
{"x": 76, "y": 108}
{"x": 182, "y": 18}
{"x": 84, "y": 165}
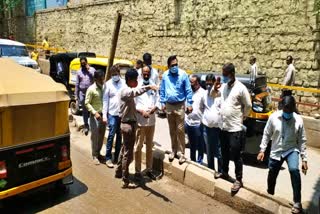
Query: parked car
{"x": 18, "y": 52}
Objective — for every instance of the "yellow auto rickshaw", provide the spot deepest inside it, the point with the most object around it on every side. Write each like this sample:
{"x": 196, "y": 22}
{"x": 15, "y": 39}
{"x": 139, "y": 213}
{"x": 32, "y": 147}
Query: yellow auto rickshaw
{"x": 64, "y": 68}
{"x": 34, "y": 130}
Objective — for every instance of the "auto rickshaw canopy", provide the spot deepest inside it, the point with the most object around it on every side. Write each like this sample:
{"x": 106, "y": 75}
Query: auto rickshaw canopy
{"x": 33, "y": 107}
{"x": 20, "y": 85}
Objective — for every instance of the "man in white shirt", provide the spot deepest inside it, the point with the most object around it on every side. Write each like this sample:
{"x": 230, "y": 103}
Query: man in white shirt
{"x": 289, "y": 77}
{"x": 146, "y": 105}
{"x": 286, "y": 131}
{"x": 154, "y": 75}
{"x": 193, "y": 120}
{"x": 110, "y": 111}
{"x": 253, "y": 70}
{"x": 235, "y": 105}
{"x": 212, "y": 122}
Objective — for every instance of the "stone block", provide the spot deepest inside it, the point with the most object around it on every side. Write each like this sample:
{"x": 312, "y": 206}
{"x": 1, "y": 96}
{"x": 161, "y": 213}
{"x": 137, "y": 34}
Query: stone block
{"x": 174, "y": 169}
{"x": 199, "y": 179}
{"x": 44, "y": 65}
{"x": 167, "y": 167}
{"x": 284, "y": 210}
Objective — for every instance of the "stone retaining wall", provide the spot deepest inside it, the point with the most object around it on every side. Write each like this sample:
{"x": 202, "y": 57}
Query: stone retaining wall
{"x": 203, "y": 33}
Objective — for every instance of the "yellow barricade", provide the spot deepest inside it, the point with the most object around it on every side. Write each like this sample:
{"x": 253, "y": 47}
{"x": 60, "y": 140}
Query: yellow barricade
{"x": 164, "y": 68}
{"x": 295, "y": 88}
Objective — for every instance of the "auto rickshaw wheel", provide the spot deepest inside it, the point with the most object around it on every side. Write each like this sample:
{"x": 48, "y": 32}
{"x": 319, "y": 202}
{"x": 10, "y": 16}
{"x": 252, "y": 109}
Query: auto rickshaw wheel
{"x": 60, "y": 187}
{"x": 74, "y": 107}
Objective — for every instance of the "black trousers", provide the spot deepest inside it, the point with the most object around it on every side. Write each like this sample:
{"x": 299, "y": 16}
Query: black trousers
{"x": 231, "y": 148}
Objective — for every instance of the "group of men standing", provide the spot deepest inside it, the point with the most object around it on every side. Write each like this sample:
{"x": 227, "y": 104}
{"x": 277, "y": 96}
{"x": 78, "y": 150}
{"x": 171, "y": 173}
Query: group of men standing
{"x": 198, "y": 111}
{"x": 128, "y": 110}
{"x": 212, "y": 117}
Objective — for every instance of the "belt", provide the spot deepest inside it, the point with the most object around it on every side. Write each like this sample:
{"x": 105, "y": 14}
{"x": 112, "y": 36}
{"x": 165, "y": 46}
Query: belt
{"x": 129, "y": 122}
{"x": 176, "y": 103}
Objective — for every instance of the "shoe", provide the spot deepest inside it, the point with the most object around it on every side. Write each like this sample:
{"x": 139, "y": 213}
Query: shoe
{"x": 86, "y": 131}
{"x": 296, "y": 208}
{"x": 271, "y": 192}
{"x": 200, "y": 161}
{"x": 109, "y": 164}
{"x": 125, "y": 184}
{"x": 96, "y": 161}
{"x": 225, "y": 176}
{"x": 182, "y": 159}
{"x": 138, "y": 176}
{"x": 236, "y": 186}
{"x": 217, "y": 175}
{"x": 118, "y": 175}
{"x": 171, "y": 156}
{"x": 151, "y": 175}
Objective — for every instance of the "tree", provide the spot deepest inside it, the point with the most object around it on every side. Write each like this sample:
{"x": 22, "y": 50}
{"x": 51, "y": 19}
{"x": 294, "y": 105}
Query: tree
{"x": 8, "y": 4}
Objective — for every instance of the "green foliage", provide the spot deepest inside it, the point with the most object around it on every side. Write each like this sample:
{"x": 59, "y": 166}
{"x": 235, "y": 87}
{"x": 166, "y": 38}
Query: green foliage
{"x": 9, "y": 4}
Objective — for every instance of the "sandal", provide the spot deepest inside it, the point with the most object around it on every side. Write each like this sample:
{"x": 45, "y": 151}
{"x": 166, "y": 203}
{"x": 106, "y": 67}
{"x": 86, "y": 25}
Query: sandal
{"x": 236, "y": 186}
{"x": 296, "y": 208}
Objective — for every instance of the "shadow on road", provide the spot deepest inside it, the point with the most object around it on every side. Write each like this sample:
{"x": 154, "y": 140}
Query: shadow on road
{"x": 42, "y": 198}
{"x": 314, "y": 205}
{"x": 143, "y": 185}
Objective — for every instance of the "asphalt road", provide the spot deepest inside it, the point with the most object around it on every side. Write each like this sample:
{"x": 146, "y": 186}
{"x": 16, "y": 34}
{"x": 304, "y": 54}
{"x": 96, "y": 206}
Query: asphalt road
{"x": 95, "y": 190}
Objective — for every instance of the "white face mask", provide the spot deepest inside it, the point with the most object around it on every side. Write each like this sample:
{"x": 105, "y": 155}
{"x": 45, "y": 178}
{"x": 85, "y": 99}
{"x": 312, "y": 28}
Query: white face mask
{"x": 116, "y": 78}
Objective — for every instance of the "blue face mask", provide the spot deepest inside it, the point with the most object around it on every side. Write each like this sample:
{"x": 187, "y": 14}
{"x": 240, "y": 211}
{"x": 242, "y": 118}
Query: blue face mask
{"x": 287, "y": 116}
{"x": 174, "y": 70}
{"x": 146, "y": 82}
{"x": 225, "y": 79}
{"x": 115, "y": 78}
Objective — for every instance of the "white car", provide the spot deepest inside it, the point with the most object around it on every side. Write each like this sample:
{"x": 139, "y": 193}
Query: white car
{"x": 18, "y": 52}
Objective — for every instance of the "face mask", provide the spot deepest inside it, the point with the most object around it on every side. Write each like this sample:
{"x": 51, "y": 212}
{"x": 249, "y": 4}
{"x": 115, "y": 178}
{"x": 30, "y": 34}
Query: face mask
{"x": 287, "y": 116}
{"x": 209, "y": 87}
{"x": 146, "y": 82}
{"x": 174, "y": 70}
{"x": 225, "y": 79}
{"x": 115, "y": 78}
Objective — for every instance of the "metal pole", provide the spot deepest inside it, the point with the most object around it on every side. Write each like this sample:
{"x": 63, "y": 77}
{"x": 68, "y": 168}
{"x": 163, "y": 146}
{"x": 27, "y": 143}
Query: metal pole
{"x": 114, "y": 44}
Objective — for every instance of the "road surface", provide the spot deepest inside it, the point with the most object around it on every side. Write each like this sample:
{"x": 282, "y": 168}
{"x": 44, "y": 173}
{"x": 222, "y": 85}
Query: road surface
{"x": 95, "y": 190}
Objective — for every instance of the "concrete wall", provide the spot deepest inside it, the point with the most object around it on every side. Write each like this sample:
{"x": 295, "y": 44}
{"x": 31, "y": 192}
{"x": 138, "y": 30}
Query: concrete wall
{"x": 203, "y": 33}
{"x": 312, "y": 127}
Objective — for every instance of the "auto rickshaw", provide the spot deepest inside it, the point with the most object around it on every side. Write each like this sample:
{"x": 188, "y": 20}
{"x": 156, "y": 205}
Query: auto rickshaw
{"x": 34, "y": 131}
{"x": 64, "y": 68}
{"x": 260, "y": 111}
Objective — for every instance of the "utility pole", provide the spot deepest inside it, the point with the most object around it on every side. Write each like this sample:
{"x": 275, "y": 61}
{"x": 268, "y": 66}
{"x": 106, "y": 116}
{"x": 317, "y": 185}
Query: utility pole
{"x": 114, "y": 44}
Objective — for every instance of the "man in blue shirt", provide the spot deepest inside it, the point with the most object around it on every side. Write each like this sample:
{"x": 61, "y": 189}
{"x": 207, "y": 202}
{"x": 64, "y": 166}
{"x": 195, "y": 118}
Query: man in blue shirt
{"x": 175, "y": 93}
